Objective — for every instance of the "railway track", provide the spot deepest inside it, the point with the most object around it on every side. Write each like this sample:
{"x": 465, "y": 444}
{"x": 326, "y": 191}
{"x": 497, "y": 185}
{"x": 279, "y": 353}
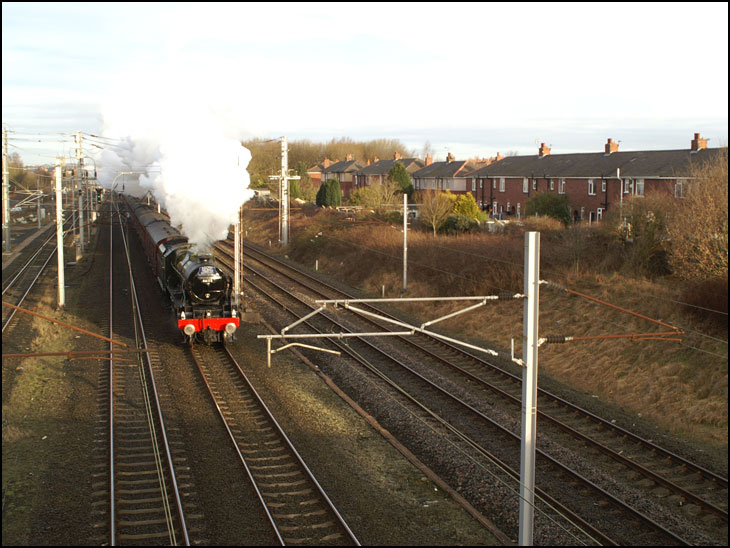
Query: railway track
{"x": 136, "y": 482}
{"x": 299, "y": 510}
{"x": 571, "y": 427}
{"x": 19, "y": 283}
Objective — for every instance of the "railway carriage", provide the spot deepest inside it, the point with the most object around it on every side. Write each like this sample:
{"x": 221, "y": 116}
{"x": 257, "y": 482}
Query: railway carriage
{"x": 200, "y": 292}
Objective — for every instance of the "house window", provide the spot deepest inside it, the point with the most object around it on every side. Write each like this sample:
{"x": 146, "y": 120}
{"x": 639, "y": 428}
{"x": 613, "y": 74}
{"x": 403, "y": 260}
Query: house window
{"x": 481, "y": 183}
{"x": 599, "y": 213}
{"x": 518, "y": 211}
{"x": 534, "y": 184}
{"x": 679, "y": 189}
{"x": 525, "y": 185}
{"x": 552, "y": 184}
{"x": 473, "y": 185}
{"x": 561, "y": 186}
{"x": 501, "y": 184}
{"x": 591, "y": 188}
{"x": 627, "y": 186}
{"x": 603, "y": 186}
{"x": 494, "y": 183}
{"x": 639, "y": 187}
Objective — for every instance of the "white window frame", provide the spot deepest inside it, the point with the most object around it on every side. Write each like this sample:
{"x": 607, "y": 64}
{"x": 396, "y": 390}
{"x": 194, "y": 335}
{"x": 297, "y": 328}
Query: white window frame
{"x": 534, "y": 184}
{"x": 591, "y": 187}
{"x": 552, "y": 184}
{"x": 639, "y": 187}
{"x": 501, "y": 184}
{"x": 679, "y": 185}
{"x": 473, "y": 185}
{"x": 603, "y": 186}
{"x": 494, "y": 183}
{"x": 561, "y": 186}
{"x": 525, "y": 185}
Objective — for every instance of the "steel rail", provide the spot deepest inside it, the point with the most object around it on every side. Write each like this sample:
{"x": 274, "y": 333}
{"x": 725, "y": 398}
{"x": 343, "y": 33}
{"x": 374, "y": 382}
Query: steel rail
{"x": 616, "y": 501}
{"x": 289, "y": 445}
{"x": 156, "y": 409}
{"x": 707, "y": 474}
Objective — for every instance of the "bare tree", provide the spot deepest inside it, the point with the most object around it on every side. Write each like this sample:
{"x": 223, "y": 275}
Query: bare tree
{"x": 435, "y": 209}
{"x": 697, "y": 225}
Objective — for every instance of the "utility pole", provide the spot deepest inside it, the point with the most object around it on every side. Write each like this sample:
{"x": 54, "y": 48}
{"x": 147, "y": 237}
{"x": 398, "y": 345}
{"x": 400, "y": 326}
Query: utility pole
{"x": 405, "y": 242}
{"x": 6, "y": 195}
{"x": 59, "y": 232}
{"x": 238, "y": 270}
{"x": 529, "y": 387}
{"x": 284, "y": 179}
{"x": 79, "y": 191}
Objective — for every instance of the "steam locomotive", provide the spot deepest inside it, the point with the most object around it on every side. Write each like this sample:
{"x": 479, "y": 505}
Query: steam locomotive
{"x": 200, "y": 292}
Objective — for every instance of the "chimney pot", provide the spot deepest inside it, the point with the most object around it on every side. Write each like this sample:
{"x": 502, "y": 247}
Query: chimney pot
{"x": 544, "y": 150}
{"x": 611, "y": 147}
{"x": 698, "y": 143}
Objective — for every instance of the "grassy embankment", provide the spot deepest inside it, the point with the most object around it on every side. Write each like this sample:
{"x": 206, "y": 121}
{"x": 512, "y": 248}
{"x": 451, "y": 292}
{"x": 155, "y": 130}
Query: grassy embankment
{"x": 680, "y": 387}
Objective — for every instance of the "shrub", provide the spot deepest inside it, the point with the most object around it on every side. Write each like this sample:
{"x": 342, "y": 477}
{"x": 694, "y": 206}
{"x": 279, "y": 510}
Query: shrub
{"x": 697, "y": 224}
{"x": 466, "y": 206}
{"x": 457, "y": 224}
{"x": 329, "y": 194}
{"x": 556, "y": 206}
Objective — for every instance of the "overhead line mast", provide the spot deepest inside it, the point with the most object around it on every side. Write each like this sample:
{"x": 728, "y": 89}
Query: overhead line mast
{"x": 284, "y": 179}
{"x": 6, "y": 195}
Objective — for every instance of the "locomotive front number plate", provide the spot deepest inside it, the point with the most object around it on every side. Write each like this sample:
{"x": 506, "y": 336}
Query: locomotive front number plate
{"x": 207, "y": 271}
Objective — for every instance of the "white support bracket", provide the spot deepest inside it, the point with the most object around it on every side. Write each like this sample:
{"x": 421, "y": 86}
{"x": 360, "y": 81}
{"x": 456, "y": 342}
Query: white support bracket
{"x": 412, "y": 329}
{"x": 269, "y": 352}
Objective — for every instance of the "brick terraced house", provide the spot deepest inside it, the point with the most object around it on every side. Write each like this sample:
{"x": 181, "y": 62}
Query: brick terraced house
{"x": 377, "y": 172}
{"x": 594, "y": 182}
{"x": 344, "y": 172}
{"x": 442, "y": 176}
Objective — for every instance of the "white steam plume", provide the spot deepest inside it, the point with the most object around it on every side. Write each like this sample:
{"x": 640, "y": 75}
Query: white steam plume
{"x": 189, "y": 158}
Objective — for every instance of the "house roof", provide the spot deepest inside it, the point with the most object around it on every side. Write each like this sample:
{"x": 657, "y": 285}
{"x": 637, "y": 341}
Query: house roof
{"x": 344, "y": 166}
{"x": 383, "y": 167}
{"x": 444, "y": 169}
{"x": 640, "y": 163}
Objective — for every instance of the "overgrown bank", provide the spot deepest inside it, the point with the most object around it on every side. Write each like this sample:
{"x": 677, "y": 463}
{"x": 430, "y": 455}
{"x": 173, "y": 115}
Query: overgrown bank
{"x": 682, "y": 387}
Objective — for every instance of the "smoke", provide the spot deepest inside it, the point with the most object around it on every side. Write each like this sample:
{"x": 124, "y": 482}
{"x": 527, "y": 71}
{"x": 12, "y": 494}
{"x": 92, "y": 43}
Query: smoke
{"x": 171, "y": 140}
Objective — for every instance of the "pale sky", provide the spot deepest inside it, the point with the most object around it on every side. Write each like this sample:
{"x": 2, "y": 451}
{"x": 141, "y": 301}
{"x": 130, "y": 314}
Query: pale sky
{"x": 472, "y": 79}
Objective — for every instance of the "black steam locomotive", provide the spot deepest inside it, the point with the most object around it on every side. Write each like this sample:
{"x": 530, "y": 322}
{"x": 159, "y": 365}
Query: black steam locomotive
{"x": 199, "y": 290}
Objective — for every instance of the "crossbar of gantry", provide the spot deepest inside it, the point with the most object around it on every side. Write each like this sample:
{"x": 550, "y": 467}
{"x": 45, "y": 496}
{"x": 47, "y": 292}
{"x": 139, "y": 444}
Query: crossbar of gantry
{"x": 347, "y": 304}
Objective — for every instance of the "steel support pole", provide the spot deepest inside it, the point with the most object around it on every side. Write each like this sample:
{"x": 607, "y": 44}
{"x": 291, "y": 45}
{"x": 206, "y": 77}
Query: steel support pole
{"x": 6, "y": 196}
{"x": 284, "y": 182}
{"x": 529, "y": 387}
{"x": 237, "y": 262}
{"x": 405, "y": 242}
{"x": 59, "y": 234}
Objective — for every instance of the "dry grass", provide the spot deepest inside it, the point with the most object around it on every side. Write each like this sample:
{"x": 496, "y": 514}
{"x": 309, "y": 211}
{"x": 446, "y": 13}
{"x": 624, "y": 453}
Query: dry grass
{"x": 680, "y": 387}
